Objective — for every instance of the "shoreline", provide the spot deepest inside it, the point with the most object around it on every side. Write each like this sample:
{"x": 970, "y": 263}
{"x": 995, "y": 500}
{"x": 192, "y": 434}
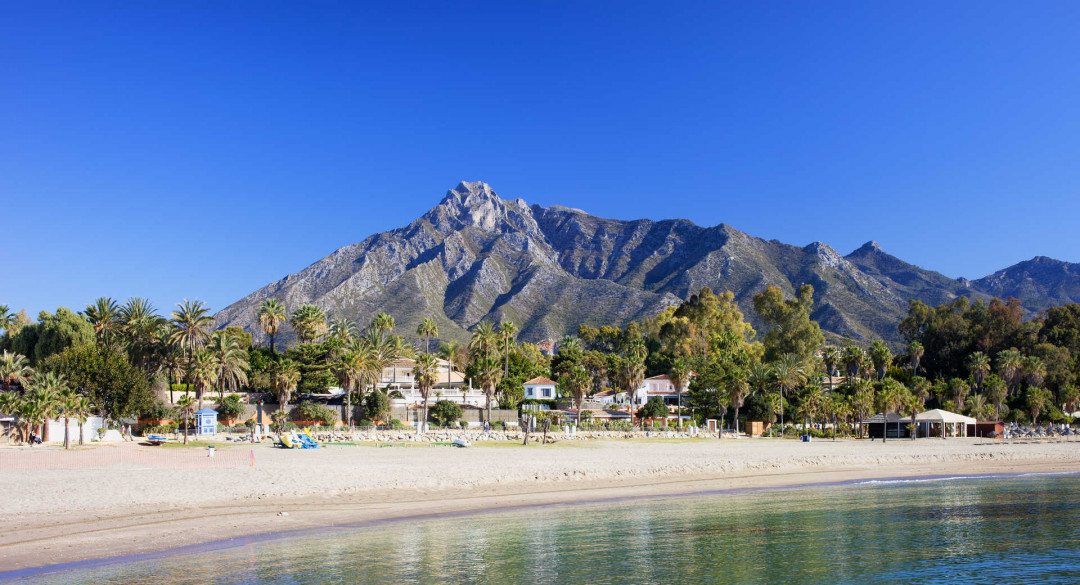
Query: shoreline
{"x": 111, "y": 534}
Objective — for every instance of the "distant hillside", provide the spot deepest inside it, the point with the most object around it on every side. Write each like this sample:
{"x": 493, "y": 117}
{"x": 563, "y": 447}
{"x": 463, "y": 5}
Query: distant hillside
{"x": 476, "y": 257}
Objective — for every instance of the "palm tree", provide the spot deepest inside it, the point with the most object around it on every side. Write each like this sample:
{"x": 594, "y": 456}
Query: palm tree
{"x": 483, "y": 339}
{"x": 383, "y": 322}
{"x": 488, "y": 372}
{"x": 979, "y": 365}
{"x": 65, "y": 408}
{"x": 831, "y": 358}
{"x": 997, "y": 391}
{"x": 186, "y": 407}
{"x": 271, "y": 315}
{"x": 1034, "y": 371}
{"x": 915, "y": 353}
{"x": 230, "y": 362}
{"x": 507, "y": 329}
{"x": 852, "y": 357}
{"x": 343, "y": 330}
{"x": 309, "y": 323}
{"x": 811, "y": 402}
{"x": 679, "y": 374}
{"x": 862, "y": 401}
{"x": 350, "y": 371}
{"x": 1038, "y": 400}
{"x": 172, "y": 360}
{"x": 44, "y": 402}
{"x": 881, "y": 357}
{"x": 81, "y": 409}
{"x": 737, "y": 392}
{"x": 425, "y": 370}
{"x": 286, "y": 376}
{"x": 977, "y": 406}
{"x": 449, "y": 350}
{"x": 7, "y": 319}
{"x": 202, "y": 369}
{"x": 190, "y": 321}
{"x": 787, "y": 375}
{"x": 1010, "y": 363}
{"x": 920, "y": 389}
{"x": 427, "y": 329}
{"x": 104, "y": 316}
{"x": 13, "y": 367}
{"x": 577, "y": 382}
{"x": 139, "y": 323}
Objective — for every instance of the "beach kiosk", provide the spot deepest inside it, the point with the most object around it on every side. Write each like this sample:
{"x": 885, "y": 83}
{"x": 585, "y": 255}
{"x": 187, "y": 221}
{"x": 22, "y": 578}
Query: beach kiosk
{"x": 205, "y": 422}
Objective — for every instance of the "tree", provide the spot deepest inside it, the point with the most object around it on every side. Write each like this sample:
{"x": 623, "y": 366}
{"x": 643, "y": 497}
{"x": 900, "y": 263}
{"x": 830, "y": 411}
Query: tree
{"x": 737, "y": 393}
{"x": 52, "y": 334}
{"x": 104, "y": 316}
{"x": 831, "y": 357}
{"x": 191, "y": 321}
{"x": 376, "y": 406}
{"x": 979, "y": 365}
{"x": 852, "y": 356}
{"x": 1010, "y": 363}
{"x": 425, "y": 371}
{"x": 507, "y": 329}
{"x": 271, "y": 315}
{"x": 286, "y": 376}
{"x": 488, "y": 372}
{"x": 654, "y": 408}
{"x": 862, "y": 401}
{"x": 1069, "y": 396}
{"x": 576, "y": 382}
{"x": 996, "y": 392}
{"x": 881, "y": 357}
{"x": 484, "y": 338}
{"x": 1038, "y": 401}
{"x": 309, "y": 323}
{"x": 186, "y": 408}
{"x": 450, "y": 351}
{"x": 229, "y": 408}
{"x": 445, "y": 412}
{"x": 1034, "y": 371}
{"x": 14, "y": 368}
{"x": 915, "y": 354}
{"x": 383, "y": 322}
{"x": 117, "y": 388}
{"x": 230, "y": 362}
{"x": 350, "y": 372}
{"x": 959, "y": 390}
{"x": 792, "y": 330}
{"x": 342, "y": 330}
{"x": 787, "y": 375}
{"x": 680, "y": 375}
{"x": 202, "y": 369}
{"x": 81, "y": 408}
{"x": 427, "y": 329}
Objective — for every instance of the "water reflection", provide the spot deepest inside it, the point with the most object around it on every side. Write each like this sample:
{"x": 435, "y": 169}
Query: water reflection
{"x": 1008, "y": 530}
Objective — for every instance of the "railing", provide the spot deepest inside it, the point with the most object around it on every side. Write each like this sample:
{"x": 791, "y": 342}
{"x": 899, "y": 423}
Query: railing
{"x": 126, "y": 456}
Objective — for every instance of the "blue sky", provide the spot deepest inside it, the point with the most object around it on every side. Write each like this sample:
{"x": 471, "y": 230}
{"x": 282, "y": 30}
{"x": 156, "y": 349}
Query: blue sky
{"x": 202, "y": 150}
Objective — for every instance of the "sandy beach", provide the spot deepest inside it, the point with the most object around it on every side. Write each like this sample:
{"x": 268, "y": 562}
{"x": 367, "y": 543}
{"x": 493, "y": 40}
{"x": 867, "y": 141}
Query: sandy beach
{"x": 63, "y": 515}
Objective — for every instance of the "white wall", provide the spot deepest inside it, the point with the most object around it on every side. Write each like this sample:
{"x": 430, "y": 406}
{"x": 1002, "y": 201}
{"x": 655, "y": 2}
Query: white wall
{"x": 56, "y": 429}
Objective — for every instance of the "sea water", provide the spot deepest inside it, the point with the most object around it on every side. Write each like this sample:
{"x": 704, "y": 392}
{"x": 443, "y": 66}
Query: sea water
{"x": 1016, "y": 529}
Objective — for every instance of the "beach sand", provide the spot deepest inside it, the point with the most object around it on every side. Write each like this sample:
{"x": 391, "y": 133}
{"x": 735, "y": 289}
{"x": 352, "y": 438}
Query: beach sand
{"x": 53, "y": 516}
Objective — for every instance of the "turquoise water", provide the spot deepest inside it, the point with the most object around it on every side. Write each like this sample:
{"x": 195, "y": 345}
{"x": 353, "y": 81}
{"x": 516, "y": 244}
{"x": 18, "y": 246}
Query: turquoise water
{"x": 991, "y": 530}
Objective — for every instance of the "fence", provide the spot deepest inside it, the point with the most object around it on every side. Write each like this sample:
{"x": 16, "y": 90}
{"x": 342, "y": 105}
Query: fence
{"x": 125, "y": 456}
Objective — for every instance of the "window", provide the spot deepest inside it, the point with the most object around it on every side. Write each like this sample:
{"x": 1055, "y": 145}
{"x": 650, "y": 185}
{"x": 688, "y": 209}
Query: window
{"x": 547, "y": 392}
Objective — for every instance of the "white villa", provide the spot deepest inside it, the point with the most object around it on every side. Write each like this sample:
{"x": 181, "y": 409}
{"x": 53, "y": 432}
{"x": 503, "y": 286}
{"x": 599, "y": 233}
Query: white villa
{"x": 659, "y": 386}
{"x": 541, "y": 388}
{"x": 450, "y": 385}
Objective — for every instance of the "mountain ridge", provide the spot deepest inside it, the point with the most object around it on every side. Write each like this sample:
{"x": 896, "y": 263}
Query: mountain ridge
{"x": 475, "y": 256}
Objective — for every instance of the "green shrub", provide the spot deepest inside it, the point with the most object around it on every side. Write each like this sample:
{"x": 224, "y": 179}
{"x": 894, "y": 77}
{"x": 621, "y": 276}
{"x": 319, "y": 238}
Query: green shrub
{"x": 463, "y": 424}
{"x": 159, "y": 412}
{"x": 445, "y": 412}
{"x": 230, "y": 407}
{"x": 366, "y": 425}
{"x": 315, "y": 413}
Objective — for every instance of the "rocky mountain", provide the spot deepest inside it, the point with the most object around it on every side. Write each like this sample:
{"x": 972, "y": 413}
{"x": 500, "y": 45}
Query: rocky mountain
{"x": 476, "y": 257}
{"x": 1040, "y": 282}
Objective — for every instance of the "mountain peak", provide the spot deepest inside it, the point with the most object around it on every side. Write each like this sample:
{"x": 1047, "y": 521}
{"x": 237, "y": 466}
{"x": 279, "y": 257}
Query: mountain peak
{"x": 474, "y": 203}
{"x": 870, "y": 247}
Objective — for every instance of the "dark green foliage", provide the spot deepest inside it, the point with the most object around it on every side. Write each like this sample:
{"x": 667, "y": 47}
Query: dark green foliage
{"x": 158, "y": 411}
{"x": 376, "y": 406}
{"x": 52, "y": 334}
{"x": 445, "y": 412}
{"x": 791, "y": 329}
{"x": 654, "y": 408}
{"x": 117, "y": 387}
{"x": 310, "y": 411}
{"x": 313, "y": 361}
{"x": 230, "y": 408}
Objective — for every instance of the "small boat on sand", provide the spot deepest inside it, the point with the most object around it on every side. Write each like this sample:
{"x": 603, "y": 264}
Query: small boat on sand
{"x": 461, "y": 443}
{"x": 156, "y": 440}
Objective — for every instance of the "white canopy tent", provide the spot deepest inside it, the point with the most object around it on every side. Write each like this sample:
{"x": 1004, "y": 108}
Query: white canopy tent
{"x": 924, "y": 420}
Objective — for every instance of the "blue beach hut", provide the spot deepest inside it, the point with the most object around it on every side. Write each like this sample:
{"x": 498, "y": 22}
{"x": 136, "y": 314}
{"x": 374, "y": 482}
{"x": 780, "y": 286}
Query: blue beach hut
{"x": 206, "y": 422}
